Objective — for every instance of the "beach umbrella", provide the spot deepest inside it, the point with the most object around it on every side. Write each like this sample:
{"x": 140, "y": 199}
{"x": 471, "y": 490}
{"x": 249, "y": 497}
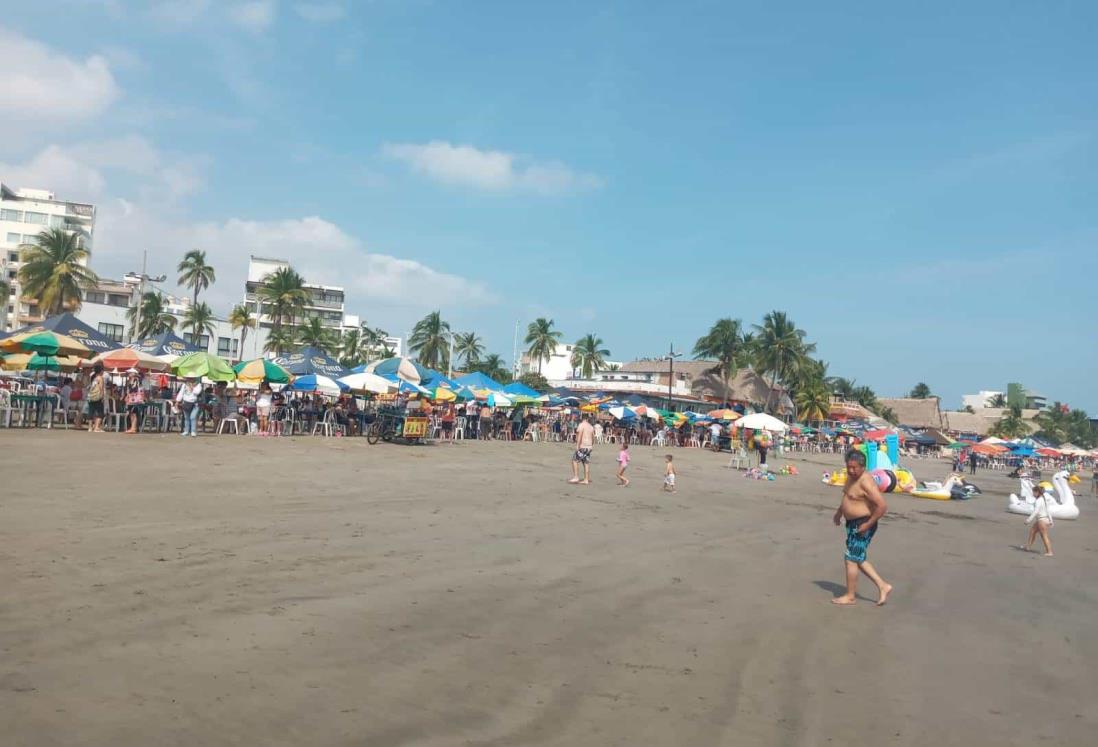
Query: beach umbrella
{"x": 517, "y": 387}
{"x": 499, "y": 399}
{"x": 622, "y": 412}
{"x": 442, "y": 394}
{"x": 255, "y": 371}
{"x": 311, "y": 360}
{"x": 477, "y": 380}
{"x": 403, "y": 368}
{"x": 367, "y": 382}
{"x": 39, "y": 362}
{"x": 465, "y": 394}
{"x": 46, "y": 343}
{"x": 317, "y": 383}
{"x": 762, "y": 421}
{"x": 203, "y": 365}
{"x": 129, "y": 358}
{"x": 724, "y": 415}
{"x": 166, "y": 346}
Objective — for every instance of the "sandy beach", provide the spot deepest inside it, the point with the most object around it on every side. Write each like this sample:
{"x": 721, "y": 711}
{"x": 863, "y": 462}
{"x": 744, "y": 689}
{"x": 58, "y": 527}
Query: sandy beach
{"x": 247, "y": 591}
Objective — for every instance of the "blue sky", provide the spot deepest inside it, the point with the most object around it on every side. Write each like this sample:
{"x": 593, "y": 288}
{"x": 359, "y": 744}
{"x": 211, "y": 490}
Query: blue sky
{"x": 915, "y": 187}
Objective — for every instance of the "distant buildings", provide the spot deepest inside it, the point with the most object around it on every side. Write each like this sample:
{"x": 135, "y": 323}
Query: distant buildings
{"x": 24, "y": 214}
{"x": 326, "y": 302}
{"x": 1015, "y": 396}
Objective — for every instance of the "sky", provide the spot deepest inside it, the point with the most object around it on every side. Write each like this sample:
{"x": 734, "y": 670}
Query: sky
{"x": 916, "y": 186}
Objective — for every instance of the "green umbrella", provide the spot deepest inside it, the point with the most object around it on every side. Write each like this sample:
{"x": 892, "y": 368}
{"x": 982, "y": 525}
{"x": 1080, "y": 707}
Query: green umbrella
{"x": 202, "y": 364}
{"x": 255, "y": 371}
{"x": 39, "y": 362}
{"x": 957, "y": 445}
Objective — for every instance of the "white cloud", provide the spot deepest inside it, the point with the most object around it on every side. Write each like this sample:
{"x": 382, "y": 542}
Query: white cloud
{"x": 254, "y": 16}
{"x": 43, "y": 87}
{"x": 58, "y": 170}
{"x": 320, "y": 12}
{"x": 496, "y": 170}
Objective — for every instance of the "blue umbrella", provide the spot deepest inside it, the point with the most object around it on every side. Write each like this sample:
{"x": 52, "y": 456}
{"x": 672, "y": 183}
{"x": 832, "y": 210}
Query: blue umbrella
{"x": 317, "y": 383}
{"x": 517, "y": 387}
{"x": 311, "y": 360}
{"x": 477, "y": 380}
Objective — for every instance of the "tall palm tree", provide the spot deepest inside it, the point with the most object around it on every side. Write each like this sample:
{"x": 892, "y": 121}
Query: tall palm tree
{"x": 375, "y": 345}
{"x": 997, "y": 400}
{"x": 493, "y": 367}
{"x": 542, "y": 339}
{"x": 199, "y": 318}
{"x": 350, "y": 347}
{"x": 54, "y": 272}
{"x": 5, "y": 292}
{"x": 842, "y": 388}
{"x": 241, "y": 318}
{"x": 724, "y": 344}
{"x": 195, "y": 273}
{"x": 283, "y": 295}
{"x": 430, "y": 340}
{"x": 920, "y": 391}
{"x": 1011, "y": 425}
{"x": 469, "y": 347}
{"x": 867, "y": 398}
{"x": 312, "y": 333}
{"x": 588, "y": 355}
{"x": 813, "y": 403}
{"x": 781, "y": 349}
{"x": 155, "y": 317}
{"x": 279, "y": 340}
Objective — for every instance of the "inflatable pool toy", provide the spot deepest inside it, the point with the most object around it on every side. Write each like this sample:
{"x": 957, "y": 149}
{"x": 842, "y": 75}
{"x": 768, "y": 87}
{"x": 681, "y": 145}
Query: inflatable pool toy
{"x": 1061, "y": 507}
{"x": 888, "y": 480}
{"x": 955, "y": 489}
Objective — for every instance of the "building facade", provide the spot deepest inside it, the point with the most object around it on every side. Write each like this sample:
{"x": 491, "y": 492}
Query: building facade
{"x": 326, "y": 302}
{"x": 24, "y": 214}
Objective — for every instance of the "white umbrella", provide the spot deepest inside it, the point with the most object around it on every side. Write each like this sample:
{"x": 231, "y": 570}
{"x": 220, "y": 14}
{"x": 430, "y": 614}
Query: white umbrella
{"x": 498, "y": 399}
{"x": 368, "y": 382}
{"x": 760, "y": 421}
{"x": 622, "y": 412}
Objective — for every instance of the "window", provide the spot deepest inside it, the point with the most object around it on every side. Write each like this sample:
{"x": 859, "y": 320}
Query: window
{"x": 111, "y": 331}
{"x": 94, "y": 297}
{"x": 203, "y": 340}
{"x": 57, "y": 221}
{"x": 227, "y": 346}
{"x": 14, "y": 238}
{"x": 15, "y": 215}
{"x": 28, "y": 239}
{"x": 11, "y": 274}
{"x": 117, "y": 299}
{"x": 13, "y": 256}
{"x": 39, "y": 219}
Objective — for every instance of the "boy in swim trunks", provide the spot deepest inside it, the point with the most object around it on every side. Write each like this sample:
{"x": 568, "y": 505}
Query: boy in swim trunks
{"x": 585, "y": 441}
{"x": 862, "y": 507}
{"x": 669, "y": 476}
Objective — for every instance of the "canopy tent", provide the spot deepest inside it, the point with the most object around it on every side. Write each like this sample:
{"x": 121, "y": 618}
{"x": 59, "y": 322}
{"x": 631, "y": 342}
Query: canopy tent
{"x": 403, "y": 368}
{"x": 311, "y": 360}
{"x": 477, "y": 380}
{"x": 367, "y": 382}
{"x": 517, "y": 387}
{"x": 465, "y": 394}
{"x": 318, "y": 383}
{"x": 167, "y": 346}
{"x": 436, "y": 379}
{"x": 259, "y": 370}
{"x": 67, "y": 324}
{"x": 499, "y": 399}
{"x": 203, "y": 365}
{"x": 762, "y": 421}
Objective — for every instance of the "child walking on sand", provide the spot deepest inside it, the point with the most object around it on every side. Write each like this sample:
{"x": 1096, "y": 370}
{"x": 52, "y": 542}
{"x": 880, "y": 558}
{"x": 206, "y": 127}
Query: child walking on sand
{"x": 623, "y": 462}
{"x": 669, "y": 476}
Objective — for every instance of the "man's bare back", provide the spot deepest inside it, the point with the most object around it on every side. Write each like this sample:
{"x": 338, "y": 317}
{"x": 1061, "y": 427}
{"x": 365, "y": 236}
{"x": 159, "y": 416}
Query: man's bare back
{"x": 585, "y": 436}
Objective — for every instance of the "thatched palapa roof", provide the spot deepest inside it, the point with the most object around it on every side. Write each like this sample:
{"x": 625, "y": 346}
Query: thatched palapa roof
{"x": 915, "y": 413}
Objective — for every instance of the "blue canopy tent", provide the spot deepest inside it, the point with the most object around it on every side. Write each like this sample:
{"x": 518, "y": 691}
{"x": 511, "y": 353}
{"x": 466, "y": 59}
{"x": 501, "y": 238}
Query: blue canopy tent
{"x": 435, "y": 378}
{"x": 165, "y": 343}
{"x": 477, "y": 380}
{"x": 517, "y": 387}
{"x": 311, "y": 360}
{"x": 67, "y": 324}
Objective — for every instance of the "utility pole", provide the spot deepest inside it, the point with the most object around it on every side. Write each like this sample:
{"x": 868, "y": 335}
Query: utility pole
{"x": 514, "y": 354}
{"x": 670, "y": 358}
{"x": 450, "y": 359}
{"x": 141, "y": 291}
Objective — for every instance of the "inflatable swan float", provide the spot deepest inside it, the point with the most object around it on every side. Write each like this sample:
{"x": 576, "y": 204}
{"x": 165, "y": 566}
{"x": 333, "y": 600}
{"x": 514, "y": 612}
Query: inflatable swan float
{"x": 1061, "y": 507}
{"x": 955, "y": 488}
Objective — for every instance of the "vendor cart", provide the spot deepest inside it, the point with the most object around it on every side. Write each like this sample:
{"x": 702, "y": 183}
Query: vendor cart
{"x": 393, "y": 423}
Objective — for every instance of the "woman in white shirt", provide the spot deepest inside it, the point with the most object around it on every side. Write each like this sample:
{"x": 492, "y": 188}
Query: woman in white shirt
{"x": 263, "y": 407}
{"x": 1039, "y": 522}
{"x": 187, "y": 399}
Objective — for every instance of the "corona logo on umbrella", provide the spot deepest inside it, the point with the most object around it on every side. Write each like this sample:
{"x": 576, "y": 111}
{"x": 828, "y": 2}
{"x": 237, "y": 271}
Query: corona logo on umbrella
{"x": 318, "y": 361}
{"x": 172, "y": 345}
{"x": 79, "y": 334}
{"x": 148, "y": 342}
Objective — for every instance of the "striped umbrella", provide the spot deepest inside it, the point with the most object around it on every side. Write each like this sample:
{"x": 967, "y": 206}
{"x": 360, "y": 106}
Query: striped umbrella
{"x": 126, "y": 358}
{"x": 260, "y": 369}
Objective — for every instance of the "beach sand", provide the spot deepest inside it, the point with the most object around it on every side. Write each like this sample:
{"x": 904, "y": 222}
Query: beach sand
{"x": 305, "y": 591}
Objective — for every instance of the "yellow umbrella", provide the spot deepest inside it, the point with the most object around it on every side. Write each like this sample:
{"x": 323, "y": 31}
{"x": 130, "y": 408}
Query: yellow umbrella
{"x": 442, "y": 394}
{"x": 46, "y": 343}
{"x": 20, "y": 361}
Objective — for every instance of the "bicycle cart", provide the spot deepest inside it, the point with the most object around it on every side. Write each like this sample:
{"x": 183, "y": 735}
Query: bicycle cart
{"x": 393, "y": 423}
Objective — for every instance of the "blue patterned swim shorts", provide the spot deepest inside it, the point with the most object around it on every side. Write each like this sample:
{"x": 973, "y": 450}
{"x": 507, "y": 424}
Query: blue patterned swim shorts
{"x": 858, "y": 543}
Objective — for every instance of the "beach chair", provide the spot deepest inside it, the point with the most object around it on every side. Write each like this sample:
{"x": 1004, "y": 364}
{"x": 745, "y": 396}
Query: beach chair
{"x": 459, "y": 429}
{"x": 112, "y": 415}
{"x": 327, "y": 426}
{"x": 739, "y": 459}
{"x": 6, "y": 408}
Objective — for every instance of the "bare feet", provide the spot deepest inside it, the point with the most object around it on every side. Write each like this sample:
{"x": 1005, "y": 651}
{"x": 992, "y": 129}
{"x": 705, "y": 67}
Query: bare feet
{"x": 844, "y": 600}
{"x": 1023, "y": 548}
{"x": 885, "y": 591}
{"x": 584, "y": 482}
{"x": 1048, "y": 555}
{"x": 574, "y": 481}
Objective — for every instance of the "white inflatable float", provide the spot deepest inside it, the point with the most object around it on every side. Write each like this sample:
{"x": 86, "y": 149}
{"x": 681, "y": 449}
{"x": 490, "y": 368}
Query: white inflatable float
{"x": 1062, "y": 505}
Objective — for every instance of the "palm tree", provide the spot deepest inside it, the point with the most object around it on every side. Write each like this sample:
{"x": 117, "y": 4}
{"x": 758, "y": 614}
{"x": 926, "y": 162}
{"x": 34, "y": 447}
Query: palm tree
{"x": 588, "y": 355}
{"x": 199, "y": 318}
{"x": 1010, "y": 425}
{"x": 781, "y": 349}
{"x": 5, "y": 292}
{"x": 279, "y": 340}
{"x": 997, "y": 401}
{"x": 888, "y": 414}
{"x": 194, "y": 273}
{"x": 842, "y": 388}
{"x": 241, "y": 318}
{"x": 493, "y": 367}
{"x": 54, "y": 272}
{"x": 430, "y": 340}
{"x": 283, "y": 295}
{"x": 724, "y": 344}
{"x": 375, "y": 345}
{"x": 350, "y": 346}
{"x": 920, "y": 391}
{"x": 813, "y": 403}
{"x": 155, "y": 317}
{"x": 542, "y": 339}
{"x": 312, "y": 333}
{"x": 469, "y": 347}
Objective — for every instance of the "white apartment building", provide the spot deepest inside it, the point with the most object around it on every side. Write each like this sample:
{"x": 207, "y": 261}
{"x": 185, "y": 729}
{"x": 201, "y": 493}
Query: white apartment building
{"x": 559, "y": 364}
{"x": 325, "y": 301}
{"x": 980, "y": 400}
{"x": 24, "y": 214}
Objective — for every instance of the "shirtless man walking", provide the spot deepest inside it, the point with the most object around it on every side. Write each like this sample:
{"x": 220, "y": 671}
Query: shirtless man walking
{"x": 862, "y": 507}
{"x": 585, "y": 441}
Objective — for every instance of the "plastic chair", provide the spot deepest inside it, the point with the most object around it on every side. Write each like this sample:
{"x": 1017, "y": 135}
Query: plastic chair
{"x": 230, "y": 422}
{"x": 58, "y": 411}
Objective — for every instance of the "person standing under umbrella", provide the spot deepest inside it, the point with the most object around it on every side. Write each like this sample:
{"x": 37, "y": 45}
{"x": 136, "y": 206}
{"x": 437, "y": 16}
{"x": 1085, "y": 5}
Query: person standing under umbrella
{"x": 135, "y": 401}
{"x": 96, "y": 393}
{"x": 188, "y": 400}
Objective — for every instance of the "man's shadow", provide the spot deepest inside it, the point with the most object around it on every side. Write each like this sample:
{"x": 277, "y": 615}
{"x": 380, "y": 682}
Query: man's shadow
{"x": 837, "y": 590}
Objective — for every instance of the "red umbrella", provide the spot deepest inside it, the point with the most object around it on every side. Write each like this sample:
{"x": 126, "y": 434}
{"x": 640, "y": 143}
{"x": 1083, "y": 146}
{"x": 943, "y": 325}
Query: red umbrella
{"x": 126, "y": 358}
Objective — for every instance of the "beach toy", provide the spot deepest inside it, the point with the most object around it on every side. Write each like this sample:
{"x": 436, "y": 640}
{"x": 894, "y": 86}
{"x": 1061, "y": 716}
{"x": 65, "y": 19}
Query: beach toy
{"x": 1062, "y": 500}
